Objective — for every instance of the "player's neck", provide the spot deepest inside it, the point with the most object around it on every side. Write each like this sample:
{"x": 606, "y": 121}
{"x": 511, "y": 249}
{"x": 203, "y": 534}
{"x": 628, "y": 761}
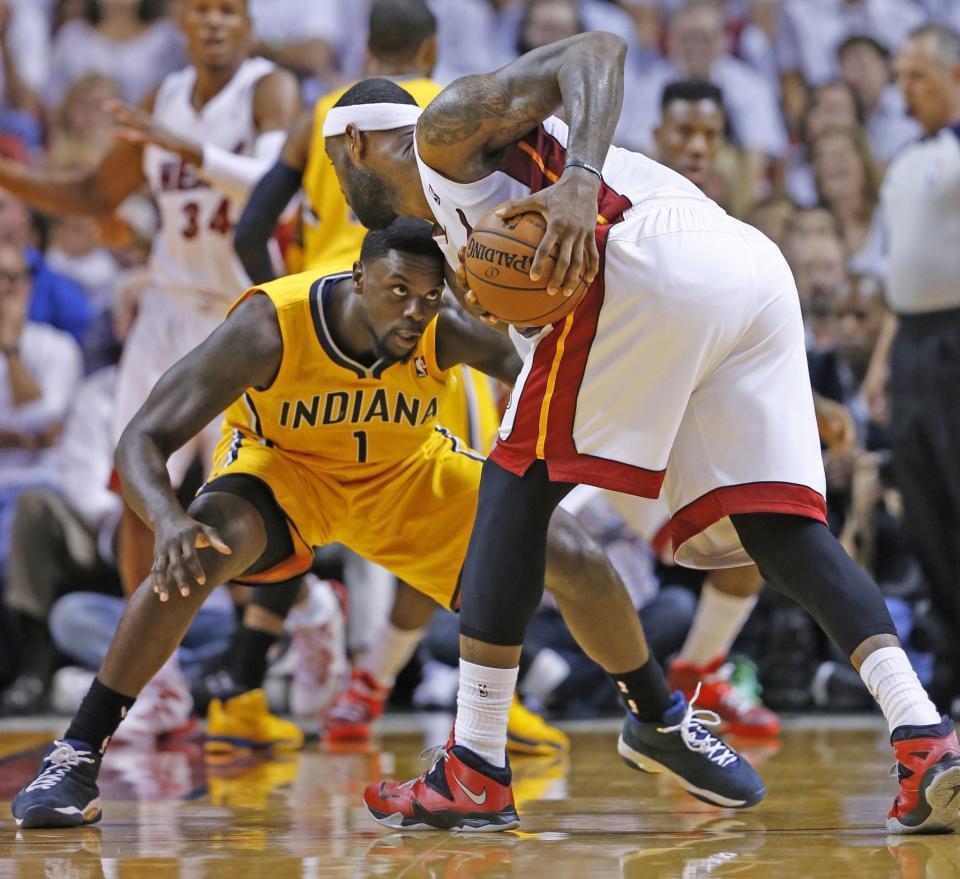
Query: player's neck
{"x": 413, "y": 202}
{"x": 211, "y": 81}
{"x": 391, "y": 69}
{"x": 349, "y": 332}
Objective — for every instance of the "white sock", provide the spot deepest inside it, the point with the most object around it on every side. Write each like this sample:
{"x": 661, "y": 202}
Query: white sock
{"x": 716, "y": 624}
{"x": 892, "y": 681}
{"x": 547, "y": 671}
{"x": 483, "y": 706}
{"x": 390, "y": 652}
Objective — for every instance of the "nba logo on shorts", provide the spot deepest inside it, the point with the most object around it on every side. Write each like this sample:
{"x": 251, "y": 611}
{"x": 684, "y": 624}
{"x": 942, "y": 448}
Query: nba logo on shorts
{"x": 420, "y": 363}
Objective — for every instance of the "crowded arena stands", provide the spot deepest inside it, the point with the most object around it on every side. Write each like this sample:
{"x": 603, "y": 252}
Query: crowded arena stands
{"x": 832, "y": 126}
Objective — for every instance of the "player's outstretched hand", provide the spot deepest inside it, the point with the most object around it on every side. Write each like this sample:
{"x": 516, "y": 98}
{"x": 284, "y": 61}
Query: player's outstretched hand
{"x": 133, "y": 125}
{"x": 570, "y": 209}
{"x": 175, "y": 560}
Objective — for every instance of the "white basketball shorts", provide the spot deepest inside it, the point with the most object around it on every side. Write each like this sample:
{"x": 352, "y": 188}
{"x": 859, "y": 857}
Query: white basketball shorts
{"x": 683, "y": 368}
{"x": 165, "y": 330}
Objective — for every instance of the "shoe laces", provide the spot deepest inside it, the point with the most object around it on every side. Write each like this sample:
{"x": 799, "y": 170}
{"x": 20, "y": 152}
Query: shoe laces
{"x": 695, "y": 735}
{"x": 436, "y": 755}
{"x": 60, "y": 761}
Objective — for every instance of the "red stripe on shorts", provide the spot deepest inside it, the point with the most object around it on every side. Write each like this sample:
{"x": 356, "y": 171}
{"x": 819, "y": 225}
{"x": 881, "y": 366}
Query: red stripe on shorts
{"x": 752, "y": 497}
{"x": 537, "y": 161}
{"x": 564, "y": 462}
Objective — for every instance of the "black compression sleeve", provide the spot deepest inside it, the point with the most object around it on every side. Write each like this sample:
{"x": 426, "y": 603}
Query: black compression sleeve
{"x": 253, "y": 230}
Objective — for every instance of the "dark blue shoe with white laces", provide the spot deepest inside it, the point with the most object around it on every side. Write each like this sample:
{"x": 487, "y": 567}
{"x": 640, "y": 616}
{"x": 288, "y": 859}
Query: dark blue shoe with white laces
{"x": 64, "y": 791}
{"x": 683, "y": 746}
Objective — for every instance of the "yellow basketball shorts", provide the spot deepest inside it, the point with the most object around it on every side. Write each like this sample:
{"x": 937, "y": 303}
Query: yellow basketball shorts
{"x": 414, "y": 518}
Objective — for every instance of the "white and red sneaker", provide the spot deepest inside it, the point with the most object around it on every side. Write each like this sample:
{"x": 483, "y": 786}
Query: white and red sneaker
{"x": 319, "y": 645}
{"x": 460, "y": 791}
{"x": 738, "y": 714}
{"x": 928, "y": 769}
{"x": 356, "y": 708}
{"x": 163, "y": 710}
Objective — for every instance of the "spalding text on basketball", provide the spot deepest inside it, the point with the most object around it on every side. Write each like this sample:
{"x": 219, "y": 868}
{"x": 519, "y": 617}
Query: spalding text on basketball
{"x": 514, "y": 261}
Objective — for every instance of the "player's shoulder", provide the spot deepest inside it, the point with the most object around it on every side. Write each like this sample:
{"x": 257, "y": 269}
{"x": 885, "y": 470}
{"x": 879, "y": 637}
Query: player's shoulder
{"x": 176, "y": 86}
{"x": 290, "y": 290}
{"x": 270, "y": 78}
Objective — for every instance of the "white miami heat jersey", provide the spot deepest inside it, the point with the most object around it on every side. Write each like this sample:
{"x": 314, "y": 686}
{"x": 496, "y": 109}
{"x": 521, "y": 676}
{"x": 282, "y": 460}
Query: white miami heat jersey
{"x": 532, "y": 164}
{"x": 192, "y": 258}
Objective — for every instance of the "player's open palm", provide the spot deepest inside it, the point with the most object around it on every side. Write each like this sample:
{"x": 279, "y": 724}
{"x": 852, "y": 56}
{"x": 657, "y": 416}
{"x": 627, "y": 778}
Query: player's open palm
{"x": 176, "y": 564}
{"x": 568, "y": 251}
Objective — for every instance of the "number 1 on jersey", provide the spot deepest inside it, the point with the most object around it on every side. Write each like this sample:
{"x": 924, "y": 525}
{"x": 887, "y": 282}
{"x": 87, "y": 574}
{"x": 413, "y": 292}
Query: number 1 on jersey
{"x": 361, "y": 437}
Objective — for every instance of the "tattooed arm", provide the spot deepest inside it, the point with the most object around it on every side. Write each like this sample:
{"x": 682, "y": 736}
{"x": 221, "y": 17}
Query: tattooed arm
{"x": 466, "y": 130}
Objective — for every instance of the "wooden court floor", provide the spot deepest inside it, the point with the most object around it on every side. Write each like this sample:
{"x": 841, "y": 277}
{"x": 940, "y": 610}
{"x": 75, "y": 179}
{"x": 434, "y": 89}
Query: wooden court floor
{"x": 168, "y": 816}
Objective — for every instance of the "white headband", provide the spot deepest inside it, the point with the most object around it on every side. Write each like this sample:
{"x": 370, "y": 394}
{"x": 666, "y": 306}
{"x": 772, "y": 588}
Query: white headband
{"x": 370, "y": 117}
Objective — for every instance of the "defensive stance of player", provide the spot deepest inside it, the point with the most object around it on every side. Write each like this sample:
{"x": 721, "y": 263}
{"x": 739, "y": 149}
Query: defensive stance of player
{"x": 331, "y": 384}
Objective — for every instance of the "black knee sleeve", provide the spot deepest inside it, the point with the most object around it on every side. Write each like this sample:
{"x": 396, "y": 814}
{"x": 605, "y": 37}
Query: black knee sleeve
{"x": 503, "y": 572}
{"x": 277, "y": 598}
{"x": 802, "y": 559}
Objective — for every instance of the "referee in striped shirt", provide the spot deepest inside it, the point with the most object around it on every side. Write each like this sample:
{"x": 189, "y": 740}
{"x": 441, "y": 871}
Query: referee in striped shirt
{"x": 920, "y": 204}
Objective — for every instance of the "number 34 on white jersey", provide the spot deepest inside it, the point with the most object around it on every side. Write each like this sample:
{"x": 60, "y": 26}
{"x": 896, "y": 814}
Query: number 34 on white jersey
{"x": 193, "y": 258}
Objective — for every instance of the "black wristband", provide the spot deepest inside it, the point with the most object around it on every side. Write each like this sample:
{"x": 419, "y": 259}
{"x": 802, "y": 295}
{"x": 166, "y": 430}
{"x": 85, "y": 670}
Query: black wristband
{"x": 576, "y": 163}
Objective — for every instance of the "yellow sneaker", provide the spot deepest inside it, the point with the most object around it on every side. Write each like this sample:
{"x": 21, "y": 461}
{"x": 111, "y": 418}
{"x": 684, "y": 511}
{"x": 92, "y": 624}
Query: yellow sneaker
{"x": 539, "y": 778}
{"x": 245, "y": 722}
{"x": 529, "y": 733}
{"x": 249, "y": 785}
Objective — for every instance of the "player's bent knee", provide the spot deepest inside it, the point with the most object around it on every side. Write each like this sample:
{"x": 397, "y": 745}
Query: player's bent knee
{"x": 238, "y": 523}
{"x": 573, "y": 557}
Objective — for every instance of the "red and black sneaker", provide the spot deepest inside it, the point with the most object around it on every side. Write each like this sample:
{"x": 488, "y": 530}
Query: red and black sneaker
{"x": 460, "y": 791}
{"x": 355, "y": 709}
{"x": 928, "y": 766}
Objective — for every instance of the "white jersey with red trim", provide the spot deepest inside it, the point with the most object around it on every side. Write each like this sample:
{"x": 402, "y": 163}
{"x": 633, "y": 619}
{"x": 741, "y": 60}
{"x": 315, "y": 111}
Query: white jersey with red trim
{"x": 532, "y": 164}
{"x": 193, "y": 258}
{"x": 682, "y": 369}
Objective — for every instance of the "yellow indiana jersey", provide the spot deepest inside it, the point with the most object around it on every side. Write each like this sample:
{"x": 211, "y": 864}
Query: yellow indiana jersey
{"x": 353, "y": 420}
{"x": 331, "y": 233}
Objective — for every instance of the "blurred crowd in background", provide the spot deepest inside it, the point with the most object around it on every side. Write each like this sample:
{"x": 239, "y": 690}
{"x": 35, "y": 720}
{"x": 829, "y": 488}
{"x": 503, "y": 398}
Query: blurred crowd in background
{"x": 786, "y": 112}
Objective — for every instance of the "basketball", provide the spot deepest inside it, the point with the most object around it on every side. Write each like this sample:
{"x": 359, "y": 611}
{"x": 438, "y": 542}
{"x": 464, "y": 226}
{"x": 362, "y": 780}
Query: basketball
{"x": 497, "y": 261}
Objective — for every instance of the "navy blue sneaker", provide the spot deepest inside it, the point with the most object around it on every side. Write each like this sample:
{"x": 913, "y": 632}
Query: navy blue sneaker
{"x": 64, "y": 791}
{"x": 682, "y": 746}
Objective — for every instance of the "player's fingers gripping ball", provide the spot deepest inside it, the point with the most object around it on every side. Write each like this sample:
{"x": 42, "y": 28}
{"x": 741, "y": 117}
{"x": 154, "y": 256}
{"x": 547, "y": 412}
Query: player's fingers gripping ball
{"x": 498, "y": 258}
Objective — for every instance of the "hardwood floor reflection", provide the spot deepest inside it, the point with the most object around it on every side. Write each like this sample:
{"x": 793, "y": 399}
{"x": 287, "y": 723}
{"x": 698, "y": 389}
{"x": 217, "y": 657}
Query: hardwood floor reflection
{"x": 169, "y": 816}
